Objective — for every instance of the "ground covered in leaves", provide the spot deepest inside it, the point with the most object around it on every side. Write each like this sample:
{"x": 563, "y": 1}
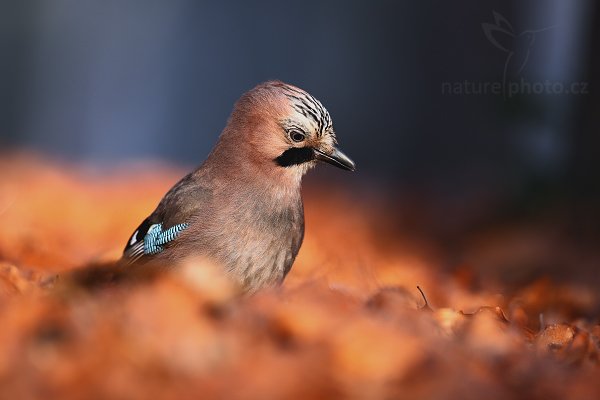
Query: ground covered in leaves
{"x": 349, "y": 322}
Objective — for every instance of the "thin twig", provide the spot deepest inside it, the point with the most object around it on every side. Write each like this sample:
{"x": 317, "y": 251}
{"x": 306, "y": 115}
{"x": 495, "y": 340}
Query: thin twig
{"x": 426, "y": 306}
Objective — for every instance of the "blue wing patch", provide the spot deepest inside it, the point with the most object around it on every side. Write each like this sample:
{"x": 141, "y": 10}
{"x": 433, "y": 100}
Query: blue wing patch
{"x": 156, "y": 238}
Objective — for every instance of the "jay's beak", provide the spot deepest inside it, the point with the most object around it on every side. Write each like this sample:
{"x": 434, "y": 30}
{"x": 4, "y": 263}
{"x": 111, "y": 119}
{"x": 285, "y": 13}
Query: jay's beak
{"x": 337, "y": 158}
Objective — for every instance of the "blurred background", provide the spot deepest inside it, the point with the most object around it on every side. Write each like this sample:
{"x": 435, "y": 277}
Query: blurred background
{"x": 465, "y": 113}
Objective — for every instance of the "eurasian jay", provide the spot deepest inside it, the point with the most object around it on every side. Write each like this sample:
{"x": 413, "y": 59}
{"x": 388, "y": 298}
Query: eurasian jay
{"x": 242, "y": 208}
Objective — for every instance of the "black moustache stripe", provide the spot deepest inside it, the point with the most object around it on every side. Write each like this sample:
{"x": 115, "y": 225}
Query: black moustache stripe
{"x": 295, "y": 156}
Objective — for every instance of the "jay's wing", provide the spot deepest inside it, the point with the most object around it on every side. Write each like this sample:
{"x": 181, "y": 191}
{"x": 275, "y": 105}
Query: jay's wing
{"x": 134, "y": 248}
{"x": 150, "y": 238}
{"x": 172, "y": 216}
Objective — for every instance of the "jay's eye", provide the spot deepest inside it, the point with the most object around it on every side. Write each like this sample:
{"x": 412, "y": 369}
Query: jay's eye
{"x": 297, "y": 136}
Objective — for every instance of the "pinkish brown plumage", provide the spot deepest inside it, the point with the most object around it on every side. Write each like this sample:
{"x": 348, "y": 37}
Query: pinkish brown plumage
{"x": 242, "y": 208}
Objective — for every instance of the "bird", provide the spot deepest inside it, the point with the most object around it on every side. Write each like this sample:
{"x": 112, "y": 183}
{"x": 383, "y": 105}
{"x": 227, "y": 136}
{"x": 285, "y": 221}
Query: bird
{"x": 242, "y": 208}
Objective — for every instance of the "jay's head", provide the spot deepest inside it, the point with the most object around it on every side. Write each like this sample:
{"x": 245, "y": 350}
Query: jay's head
{"x": 285, "y": 130}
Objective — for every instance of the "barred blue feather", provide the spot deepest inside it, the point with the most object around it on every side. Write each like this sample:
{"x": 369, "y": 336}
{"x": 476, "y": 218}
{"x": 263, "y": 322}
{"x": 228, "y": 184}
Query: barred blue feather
{"x": 156, "y": 238}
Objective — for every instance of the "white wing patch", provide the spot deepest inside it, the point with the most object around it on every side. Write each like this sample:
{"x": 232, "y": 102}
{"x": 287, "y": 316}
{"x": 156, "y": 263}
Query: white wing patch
{"x": 133, "y": 238}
